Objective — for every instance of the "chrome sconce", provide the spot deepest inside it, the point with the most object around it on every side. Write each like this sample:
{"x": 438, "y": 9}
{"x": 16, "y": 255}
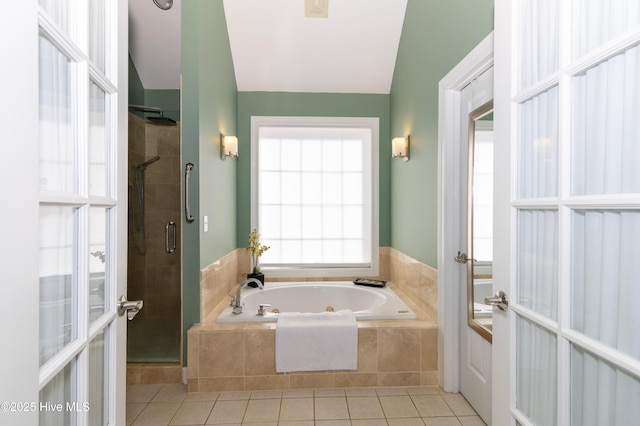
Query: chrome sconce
{"x": 228, "y": 146}
{"x": 400, "y": 148}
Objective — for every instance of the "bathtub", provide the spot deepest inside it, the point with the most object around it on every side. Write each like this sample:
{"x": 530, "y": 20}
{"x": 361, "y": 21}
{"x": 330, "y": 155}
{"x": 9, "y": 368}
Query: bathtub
{"x": 368, "y": 303}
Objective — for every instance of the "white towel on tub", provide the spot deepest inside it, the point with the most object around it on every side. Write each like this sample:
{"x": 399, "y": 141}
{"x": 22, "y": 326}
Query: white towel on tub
{"x": 316, "y": 341}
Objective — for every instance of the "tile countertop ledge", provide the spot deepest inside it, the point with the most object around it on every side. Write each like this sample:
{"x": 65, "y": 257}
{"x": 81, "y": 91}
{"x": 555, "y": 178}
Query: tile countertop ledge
{"x": 423, "y": 320}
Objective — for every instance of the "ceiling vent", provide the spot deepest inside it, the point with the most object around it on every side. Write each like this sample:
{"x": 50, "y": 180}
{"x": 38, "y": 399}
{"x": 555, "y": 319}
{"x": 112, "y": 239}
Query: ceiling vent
{"x": 316, "y": 8}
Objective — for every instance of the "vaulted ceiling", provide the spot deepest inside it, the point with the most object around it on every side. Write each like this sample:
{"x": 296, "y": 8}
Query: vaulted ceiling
{"x": 276, "y": 48}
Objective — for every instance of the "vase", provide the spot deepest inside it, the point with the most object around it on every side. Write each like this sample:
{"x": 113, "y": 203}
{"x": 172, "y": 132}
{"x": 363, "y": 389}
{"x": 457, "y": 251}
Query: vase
{"x": 259, "y": 277}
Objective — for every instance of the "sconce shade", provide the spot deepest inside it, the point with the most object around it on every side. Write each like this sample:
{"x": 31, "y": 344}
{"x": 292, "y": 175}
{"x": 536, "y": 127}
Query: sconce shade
{"x": 228, "y": 146}
{"x": 400, "y": 148}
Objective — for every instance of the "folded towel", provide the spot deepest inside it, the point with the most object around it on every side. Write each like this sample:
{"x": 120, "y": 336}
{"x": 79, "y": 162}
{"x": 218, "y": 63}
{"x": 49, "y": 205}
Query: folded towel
{"x": 316, "y": 341}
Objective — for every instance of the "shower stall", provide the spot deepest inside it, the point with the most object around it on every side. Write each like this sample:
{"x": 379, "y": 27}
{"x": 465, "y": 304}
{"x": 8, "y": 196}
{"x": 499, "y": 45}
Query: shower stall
{"x": 154, "y": 252}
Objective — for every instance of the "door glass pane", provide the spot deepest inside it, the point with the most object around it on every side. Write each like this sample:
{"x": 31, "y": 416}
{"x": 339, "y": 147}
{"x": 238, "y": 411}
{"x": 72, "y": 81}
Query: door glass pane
{"x": 97, "y": 142}
{"x": 536, "y": 372}
{"x": 55, "y": 397}
{"x": 537, "y": 279}
{"x": 538, "y": 41}
{"x": 98, "y": 382}
{"x": 98, "y": 263}
{"x": 605, "y": 271}
{"x": 97, "y": 35}
{"x": 57, "y": 130}
{"x": 601, "y": 393}
{"x": 598, "y": 21}
{"x": 606, "y": 129}
{"x": 59, "y": 12}
{"x": 538, "y": 146}
{"x": 58, "y": 280}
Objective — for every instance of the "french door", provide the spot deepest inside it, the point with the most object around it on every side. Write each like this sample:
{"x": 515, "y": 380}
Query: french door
{"x": 567, "y": 117}
{"x": 68, "y": 198}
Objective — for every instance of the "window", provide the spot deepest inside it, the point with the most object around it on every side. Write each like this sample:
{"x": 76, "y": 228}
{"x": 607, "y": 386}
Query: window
{"x": 314, "y": 195}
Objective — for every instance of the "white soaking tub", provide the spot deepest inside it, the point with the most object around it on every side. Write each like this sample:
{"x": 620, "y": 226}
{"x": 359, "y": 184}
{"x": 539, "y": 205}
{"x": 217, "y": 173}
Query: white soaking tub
{"x": 368, "y": 303}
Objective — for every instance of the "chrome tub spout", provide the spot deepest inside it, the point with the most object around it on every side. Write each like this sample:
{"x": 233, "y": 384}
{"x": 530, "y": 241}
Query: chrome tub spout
{"x": 237, "y": 305}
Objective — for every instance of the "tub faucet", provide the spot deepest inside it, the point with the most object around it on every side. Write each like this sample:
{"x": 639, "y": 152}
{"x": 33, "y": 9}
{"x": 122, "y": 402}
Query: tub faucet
{"x": 237, "y": 305}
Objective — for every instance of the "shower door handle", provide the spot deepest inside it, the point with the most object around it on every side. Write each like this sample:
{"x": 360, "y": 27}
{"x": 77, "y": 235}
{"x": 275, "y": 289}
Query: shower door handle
{"x": 187, "y": 197}
{"x": 169, "y": 248}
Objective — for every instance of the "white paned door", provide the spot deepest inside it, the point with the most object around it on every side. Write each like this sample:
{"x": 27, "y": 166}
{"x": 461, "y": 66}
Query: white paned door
{"x": 567, "y": 212}
{"x": 64, "y": 184}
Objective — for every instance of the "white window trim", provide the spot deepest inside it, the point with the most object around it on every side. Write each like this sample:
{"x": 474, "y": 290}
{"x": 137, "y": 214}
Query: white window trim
{"x": 372, "y": 123}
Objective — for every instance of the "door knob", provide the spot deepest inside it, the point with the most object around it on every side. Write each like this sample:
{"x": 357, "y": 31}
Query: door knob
{"x": 130, "y": 307}
{"x": 462, "y": 258}
{"x": 500, "y": 300}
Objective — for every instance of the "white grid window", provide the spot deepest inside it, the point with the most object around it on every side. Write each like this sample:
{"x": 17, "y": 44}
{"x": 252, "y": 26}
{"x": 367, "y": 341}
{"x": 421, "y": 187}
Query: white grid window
{"x": 314, "y": 182}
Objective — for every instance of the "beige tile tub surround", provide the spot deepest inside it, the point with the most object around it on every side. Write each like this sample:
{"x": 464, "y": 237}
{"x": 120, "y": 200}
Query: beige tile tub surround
{"x": 241, "y": 356}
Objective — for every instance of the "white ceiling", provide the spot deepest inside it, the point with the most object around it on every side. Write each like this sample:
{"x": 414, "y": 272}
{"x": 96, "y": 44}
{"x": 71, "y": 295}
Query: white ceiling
{"x": 154, "y": 43}
{"x": 275, "y": 48}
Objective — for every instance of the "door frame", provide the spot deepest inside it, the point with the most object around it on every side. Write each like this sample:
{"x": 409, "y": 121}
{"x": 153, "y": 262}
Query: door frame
{"x": 449, "y": 273}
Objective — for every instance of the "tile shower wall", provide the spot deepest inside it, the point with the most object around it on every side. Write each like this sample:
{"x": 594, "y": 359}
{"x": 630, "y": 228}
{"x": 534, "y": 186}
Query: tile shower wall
{"x": 154, "y": 275}
{"x": 242, "y": 356}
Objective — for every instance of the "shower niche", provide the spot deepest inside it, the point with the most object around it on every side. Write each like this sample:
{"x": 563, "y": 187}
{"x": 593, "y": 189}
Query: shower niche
{"x": 154, "y": 252}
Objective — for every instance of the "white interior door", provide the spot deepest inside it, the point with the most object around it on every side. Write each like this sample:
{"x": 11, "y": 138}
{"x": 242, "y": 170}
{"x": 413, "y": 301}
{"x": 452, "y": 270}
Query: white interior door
{"x": 567, "y": 111}
{"x": 67, "y": 199}
{"x": 475, "y": 350}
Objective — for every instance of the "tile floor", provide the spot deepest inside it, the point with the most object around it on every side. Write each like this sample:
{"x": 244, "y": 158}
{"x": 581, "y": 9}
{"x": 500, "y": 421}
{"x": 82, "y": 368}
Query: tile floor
{"x": 159, "y": 405}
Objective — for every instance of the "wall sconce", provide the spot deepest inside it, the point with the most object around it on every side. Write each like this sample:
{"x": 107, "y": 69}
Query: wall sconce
{"x": 400, "y": 148}
{"x": 228, "y": 146}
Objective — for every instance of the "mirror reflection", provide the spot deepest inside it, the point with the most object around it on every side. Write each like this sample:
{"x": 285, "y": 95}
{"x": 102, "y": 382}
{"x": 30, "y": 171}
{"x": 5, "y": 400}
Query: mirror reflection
{"x": 480, "y": 212}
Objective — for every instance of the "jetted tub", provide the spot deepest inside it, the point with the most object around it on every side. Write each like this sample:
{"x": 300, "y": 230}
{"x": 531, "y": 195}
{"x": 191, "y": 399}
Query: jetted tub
{"x": 368, "y": 303}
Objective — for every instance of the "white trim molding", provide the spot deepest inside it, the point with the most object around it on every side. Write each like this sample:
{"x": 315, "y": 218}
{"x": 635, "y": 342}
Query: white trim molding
{"x": 474, "y": 64}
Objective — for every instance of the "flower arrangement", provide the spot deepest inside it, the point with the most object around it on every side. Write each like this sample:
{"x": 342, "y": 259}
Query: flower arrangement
{"x": 256, "y": 250}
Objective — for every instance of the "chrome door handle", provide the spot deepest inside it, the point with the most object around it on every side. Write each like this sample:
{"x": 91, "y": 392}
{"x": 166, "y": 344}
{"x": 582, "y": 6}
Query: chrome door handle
{"x": 500, "y": 300}
{"x": 187, "y": 197}
{"x": 462, "y": 258}
{"x": 169, "y": 248}
{"x": 130, "y": 307}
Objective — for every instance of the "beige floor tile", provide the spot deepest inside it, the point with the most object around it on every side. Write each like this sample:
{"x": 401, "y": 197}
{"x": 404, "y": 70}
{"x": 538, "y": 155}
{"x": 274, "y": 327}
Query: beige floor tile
{"x": 441, "y": 421}
{"x": 260, "y": 424}
{"x": 201, "y": 396}
{"x": 171, "y": 393}
{"x": 134, "y": 410}
{"x": 398, "y": 406}
{"x": 227, "y": 412}
{"x": 424, "y": 390}
{"x": 297, "y": 423}
{"x": 333, "y": 422}
{"x": 298, "y": 393}
{"x": 431, "y": 406}
{"x": 415, "y": 421}
{"x": 321, "y": 393}
{"x": 234, "y": 396}
{"x": 391, "y": 391}
{"x": 471, "y": 420}
{"x": 262, "y": 410}
{"x": 459, "y": 405}
{"x": 296, "y": 409}
{"x": 142, "y": 393}
{"x": 193, "y": 413}
{"x": 364, "y": 407}
{"x": 369, "y": 422}
{"x": 361, "y": 392}
{"x": 156, "y": 414}
{"x": 266, "y": 394}
{"x": 331, "y": 408}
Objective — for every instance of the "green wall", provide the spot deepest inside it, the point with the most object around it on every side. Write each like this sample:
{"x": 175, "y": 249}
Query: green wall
{"x": 167, "y": 100}
{"x": 310, "y": 104}
{"x": 209, "y": 102}
{"x": 436, "y": 35}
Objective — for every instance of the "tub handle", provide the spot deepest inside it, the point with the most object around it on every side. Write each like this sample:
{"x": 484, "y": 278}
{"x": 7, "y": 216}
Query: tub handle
{"x": 187, "y": 198}
{"x": 261, "y": 311}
